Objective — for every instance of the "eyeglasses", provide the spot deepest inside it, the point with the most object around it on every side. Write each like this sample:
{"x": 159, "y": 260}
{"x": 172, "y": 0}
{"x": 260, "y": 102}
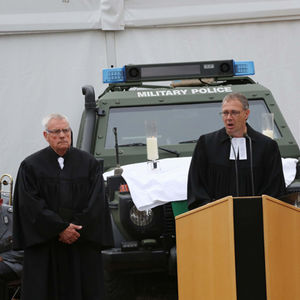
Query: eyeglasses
{"x": 233, "y": 113}
{"x": 58, "y": 131}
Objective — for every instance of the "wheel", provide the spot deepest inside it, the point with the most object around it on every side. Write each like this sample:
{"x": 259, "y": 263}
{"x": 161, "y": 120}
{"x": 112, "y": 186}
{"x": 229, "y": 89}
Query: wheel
{"x": 118, "y": 286}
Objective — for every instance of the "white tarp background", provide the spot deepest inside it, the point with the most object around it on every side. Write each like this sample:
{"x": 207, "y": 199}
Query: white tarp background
{"x": 50, "y": 49}
{"x": 41, "y": 74}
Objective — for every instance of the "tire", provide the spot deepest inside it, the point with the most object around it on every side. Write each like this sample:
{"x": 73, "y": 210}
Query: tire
{"x": 118, "y": 286}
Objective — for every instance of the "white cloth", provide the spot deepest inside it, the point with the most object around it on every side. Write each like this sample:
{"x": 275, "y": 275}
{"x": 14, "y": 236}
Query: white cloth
{"x": 153, "y": 187}
{"x": 289, "y": 169}
{"x": 61, "y": 162}
{"x": 150, "y": 188}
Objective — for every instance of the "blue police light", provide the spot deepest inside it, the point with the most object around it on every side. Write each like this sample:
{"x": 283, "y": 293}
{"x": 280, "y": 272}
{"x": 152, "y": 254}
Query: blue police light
{"x": 243, "y": 68}
{"x": 114, "y": 75}
{"x": 173, "y": 71}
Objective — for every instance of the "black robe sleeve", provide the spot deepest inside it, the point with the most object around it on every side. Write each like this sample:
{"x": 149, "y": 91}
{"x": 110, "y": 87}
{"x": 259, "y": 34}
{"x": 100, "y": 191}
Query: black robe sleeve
{"x": 273, "y": 183}
{"x": 197, "y": 183}
{"x": 95, "y": 218}
{"x": 33, "y": 222}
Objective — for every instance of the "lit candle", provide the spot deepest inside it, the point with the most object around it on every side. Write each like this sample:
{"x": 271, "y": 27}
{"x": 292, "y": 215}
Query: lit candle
{"x": 269, "y": 133}
{"x": 152, "y": 148}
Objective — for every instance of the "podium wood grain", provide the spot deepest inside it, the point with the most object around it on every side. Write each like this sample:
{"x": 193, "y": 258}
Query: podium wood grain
{"x": 282, "y": 249}
{"x": 205, "y": 255}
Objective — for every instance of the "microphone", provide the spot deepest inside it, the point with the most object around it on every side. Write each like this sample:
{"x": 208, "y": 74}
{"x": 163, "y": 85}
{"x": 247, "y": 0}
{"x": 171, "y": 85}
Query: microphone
{"x": 251, "y": 163}
{"x": 236, "y": 168}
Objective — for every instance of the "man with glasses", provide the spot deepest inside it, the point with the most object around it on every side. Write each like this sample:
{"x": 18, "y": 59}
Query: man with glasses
{"x": 61, "y": 219}
{"x": 235, "y": 160}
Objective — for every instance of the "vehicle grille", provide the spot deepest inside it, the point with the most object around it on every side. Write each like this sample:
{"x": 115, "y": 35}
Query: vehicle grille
{"x": 169, "y": 221}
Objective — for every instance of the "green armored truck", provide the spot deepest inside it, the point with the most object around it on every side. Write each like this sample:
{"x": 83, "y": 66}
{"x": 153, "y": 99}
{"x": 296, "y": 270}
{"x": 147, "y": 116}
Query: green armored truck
{"x": 183, "y": 100}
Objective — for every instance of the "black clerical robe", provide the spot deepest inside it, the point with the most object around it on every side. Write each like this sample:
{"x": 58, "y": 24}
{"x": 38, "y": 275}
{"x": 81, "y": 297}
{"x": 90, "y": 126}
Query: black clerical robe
{"x": 212, "y": 175}
{"x": 48, "y": 198}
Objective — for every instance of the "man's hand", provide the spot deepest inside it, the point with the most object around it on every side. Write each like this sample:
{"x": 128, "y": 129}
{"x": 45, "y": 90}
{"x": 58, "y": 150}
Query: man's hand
{"x": 70, "y": 234}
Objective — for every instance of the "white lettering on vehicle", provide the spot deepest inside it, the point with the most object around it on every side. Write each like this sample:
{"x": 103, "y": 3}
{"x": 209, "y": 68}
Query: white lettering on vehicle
{"x": 162, "y": 93}
{"x": 202, "y": 90}
{"x": 212, "y": 90}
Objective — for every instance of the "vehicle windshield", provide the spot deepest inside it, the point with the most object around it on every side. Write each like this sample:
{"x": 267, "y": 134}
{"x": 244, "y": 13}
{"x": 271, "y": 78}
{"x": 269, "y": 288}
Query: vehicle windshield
{"x": 175, "y": 123}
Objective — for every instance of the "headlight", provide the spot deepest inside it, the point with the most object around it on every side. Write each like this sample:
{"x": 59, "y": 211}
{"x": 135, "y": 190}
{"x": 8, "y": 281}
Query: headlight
{"x": 140, "y": 218}
{"x": 140, "y": 224}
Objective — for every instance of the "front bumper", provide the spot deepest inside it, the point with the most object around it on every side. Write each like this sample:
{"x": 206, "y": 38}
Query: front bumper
{"x": 135, "y": 261}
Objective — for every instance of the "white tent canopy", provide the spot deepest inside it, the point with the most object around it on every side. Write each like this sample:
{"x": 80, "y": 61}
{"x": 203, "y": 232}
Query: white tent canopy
{"x": 34, "y": 15}
{"x": 50, "y": 49}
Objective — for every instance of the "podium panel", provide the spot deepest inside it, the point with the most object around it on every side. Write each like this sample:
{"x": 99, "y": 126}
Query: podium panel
{"x": 239, "y": 249}
{"x": 205, "y": 252}
{"x": 282, "y": 249}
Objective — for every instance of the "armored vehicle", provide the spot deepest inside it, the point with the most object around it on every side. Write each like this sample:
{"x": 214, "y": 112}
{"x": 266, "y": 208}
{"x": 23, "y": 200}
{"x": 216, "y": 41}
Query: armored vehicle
{"x": 184, "y": 101}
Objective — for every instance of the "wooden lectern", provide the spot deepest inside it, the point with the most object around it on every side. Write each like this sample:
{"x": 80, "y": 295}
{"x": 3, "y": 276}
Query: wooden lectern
{"x": 245, "y": 248}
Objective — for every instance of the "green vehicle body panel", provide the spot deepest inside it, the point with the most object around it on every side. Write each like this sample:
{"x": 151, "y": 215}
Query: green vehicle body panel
{"x": 287, "y": 144}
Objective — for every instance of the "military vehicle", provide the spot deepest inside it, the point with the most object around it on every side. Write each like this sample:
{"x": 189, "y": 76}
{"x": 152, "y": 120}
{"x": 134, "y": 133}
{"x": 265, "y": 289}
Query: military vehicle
{"x": 184, "y": 101}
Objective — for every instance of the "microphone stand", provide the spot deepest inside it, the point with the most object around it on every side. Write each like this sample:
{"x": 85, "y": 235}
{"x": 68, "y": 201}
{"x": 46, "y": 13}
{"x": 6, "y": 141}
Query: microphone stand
{"x": 236, "y": 168}
{"x": 251, "y": 163}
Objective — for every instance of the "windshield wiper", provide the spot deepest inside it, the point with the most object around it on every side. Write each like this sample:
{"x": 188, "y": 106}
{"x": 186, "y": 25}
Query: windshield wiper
{"x": 170, "y": 151}
{"x": 188, "y": 142}
{"x": 132, "y": 145}
{"x": 143, "y": 144}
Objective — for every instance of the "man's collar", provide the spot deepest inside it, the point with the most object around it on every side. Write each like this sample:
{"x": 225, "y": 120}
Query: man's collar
{"x": 57, "y": 155}
{"x": 250, "y": 132}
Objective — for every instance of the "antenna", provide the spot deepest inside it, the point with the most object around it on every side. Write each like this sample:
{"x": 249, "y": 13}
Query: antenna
{"x": 118, "y": 170}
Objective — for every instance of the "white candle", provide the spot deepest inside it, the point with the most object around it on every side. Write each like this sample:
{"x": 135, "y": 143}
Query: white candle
{"x": 269, "y": 133}
{"x": 152, "y": 148}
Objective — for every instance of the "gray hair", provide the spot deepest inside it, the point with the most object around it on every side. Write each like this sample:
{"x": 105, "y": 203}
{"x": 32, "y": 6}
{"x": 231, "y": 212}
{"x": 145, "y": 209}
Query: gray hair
{"x": 47, "y": 119}
{"x": 239, "y": 97}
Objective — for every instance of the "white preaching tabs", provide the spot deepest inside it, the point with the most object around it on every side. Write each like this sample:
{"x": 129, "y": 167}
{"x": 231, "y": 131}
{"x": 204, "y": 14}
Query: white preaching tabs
{"x": 238, "y": 149}
{"x": 61, "y": 162}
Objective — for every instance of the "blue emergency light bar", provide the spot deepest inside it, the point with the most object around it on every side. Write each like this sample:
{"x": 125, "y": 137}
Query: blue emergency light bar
{"x": 175, "y": 71}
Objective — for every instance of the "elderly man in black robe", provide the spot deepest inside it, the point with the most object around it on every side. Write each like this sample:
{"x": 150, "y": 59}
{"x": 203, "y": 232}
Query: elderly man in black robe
{"x": 61, "y": 219}
{"x": 235, "y": 160}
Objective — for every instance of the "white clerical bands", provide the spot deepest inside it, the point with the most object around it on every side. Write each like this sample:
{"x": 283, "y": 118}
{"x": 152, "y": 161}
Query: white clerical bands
{"x": 238, "y": 149}
{"x": 61, "y": 162}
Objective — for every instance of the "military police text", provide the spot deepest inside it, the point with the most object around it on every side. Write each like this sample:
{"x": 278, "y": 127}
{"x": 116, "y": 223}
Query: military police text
{"x": 181, "y": 92}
